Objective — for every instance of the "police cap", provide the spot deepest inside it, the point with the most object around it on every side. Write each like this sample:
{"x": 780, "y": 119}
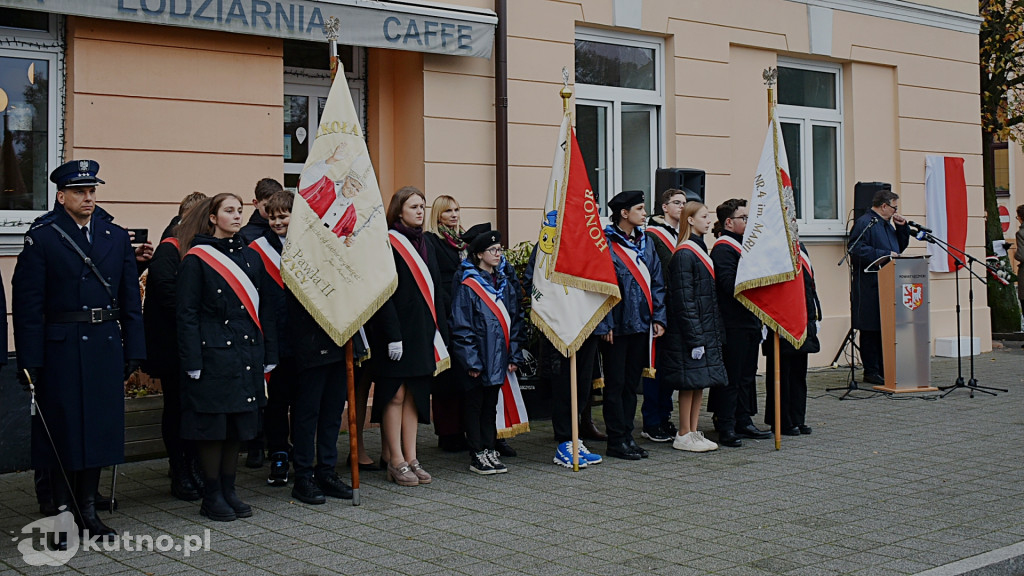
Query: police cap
{"x": 76, "y": 173}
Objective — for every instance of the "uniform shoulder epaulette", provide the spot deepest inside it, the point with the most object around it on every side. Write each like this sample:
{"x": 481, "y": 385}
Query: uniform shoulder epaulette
{"x": 44, "y": 220}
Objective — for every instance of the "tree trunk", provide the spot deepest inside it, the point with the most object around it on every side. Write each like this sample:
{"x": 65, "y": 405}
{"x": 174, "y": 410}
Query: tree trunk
{"x": 1002, "y": 300}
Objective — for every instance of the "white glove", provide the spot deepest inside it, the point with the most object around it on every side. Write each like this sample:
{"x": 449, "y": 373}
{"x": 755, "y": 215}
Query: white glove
{"x": 817, "y": 326}
{"x": 268, "y": 367}
{"x": 764, "y": 332}
{"x": 194, "y": 374}
{"x": 697, "y": 353}
{"x": 395, "y": 351}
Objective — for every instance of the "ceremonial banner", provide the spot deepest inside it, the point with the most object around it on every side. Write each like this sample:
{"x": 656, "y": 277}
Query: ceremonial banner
{"x": 337, "y": 259}
{"x": 945, "y": 192}
{"x": 574, "y": 284}
{"x": 768, "y": 280}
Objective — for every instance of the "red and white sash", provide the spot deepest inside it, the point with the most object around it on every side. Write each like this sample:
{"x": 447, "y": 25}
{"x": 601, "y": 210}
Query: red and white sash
{"x": 805, "y": 259}
{"x": 663, "y": 235}
{"x": 730, "y": 241}
{"x": 511, "y": 416}
{"x": 425, "y": 283}
{"x": 701, "y": 254}
{"x": 236, "y": 278}
{"x": 172, "y": 241}
{"x": 271, "y": 258}
{"x": 638, "y": 270}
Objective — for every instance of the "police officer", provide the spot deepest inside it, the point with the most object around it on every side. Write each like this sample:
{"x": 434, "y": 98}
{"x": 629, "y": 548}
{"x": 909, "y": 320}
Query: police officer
{"x": 78, "y": 332}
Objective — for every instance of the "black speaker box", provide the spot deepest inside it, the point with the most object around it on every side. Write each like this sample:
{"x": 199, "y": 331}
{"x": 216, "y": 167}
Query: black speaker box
{"x": 864, "y": 193}
{"x": 690, "y": 179}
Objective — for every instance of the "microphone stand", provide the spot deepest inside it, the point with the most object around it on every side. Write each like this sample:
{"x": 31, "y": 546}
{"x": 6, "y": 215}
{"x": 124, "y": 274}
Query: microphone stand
{"x": 972, "y": 383}
{"x": 851, "y": 334}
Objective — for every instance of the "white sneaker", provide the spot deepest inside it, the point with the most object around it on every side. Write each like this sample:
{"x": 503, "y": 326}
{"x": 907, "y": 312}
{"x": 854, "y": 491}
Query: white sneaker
{"x": 686, "y": 442}
{"x": 707, "y": 443}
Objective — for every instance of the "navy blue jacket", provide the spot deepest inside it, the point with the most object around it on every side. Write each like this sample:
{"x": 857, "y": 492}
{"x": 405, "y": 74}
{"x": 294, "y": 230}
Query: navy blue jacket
{"x": 632, "y": 315}
{"x": 478, "y": 342}
{"x": 881, "y": 239}
{"x": 81, "y": 392}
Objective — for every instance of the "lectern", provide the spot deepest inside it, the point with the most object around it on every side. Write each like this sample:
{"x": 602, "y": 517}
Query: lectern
{"x": 903, "y": 295}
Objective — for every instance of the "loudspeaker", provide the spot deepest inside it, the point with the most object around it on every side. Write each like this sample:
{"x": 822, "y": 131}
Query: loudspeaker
{"x": 864, "y": 193}
{"x": 689, "y": 180}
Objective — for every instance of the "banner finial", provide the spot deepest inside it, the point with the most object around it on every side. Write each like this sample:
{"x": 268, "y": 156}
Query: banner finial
{"x": 565, "y": 93}
{"x": 332, "y": 28}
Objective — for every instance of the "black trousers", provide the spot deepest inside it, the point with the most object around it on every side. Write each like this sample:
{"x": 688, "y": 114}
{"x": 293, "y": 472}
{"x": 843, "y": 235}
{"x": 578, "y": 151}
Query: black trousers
{"x": 561, "y": 400}
{"x": 624, "y": 361}
{"x": 479, "y": 417}
{"x": 447, "y": 403}
{"x": 792, "y": 390}
{"x": 735, "y": 404}
{"x": 279, "y": 403}
{"x": 319, "y": 397}
{"x": 170, "y": 421}
{"x": 871, "y": 352}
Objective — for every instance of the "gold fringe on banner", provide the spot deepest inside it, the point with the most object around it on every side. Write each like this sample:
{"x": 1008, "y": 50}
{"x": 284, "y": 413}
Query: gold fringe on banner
{"x": 340, "y": 337}
{"x": 514, "y": 430}
{"x": 568, "y": 349}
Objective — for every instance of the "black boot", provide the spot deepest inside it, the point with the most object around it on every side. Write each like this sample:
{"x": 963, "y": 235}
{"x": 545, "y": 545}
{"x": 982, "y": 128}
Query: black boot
{"x": 88, "y": 482}
{"x": 227, "y": 486}
{"x": 254, "y": 458}
{"x": 59, "y": 490}
{"x": 182, "y": 487}
{"x": 43, "y": 493}
{"x": 195, "y": 471}
{"x": 214, "y": 506}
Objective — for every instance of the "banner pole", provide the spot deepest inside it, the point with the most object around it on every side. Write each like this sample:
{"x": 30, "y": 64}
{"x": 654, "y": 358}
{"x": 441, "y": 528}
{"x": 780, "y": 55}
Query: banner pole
{"x": 331, "y": 28}
{"x": 353, "y": 433}
{"x": 574, "y": 407}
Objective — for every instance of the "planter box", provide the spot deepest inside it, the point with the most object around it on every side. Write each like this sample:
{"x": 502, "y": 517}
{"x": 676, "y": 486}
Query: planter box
{"x": 143, "y": 438}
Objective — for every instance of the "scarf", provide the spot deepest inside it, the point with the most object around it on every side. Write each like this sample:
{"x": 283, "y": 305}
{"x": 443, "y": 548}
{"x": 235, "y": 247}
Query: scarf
{"x": 415, "y": 236}
{"x": 453, "y": 236}
{"x": 493, "y": 283}
{"x": 638, "y": 245}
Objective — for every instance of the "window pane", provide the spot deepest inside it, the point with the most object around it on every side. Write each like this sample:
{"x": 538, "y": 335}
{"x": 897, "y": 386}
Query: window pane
{"x": 798, "y": 87}
{"x": 614, "y": 65}
{"x": 296, "y": 128}
{"x": 592, "y": 134}
{"x": 24, "y": 101}
{"x": 636, "y": 151}
{"x": 791, "y": 139}
{"x": 24, "y": 19}
{"x": 825, "y": 172}
{"x": 315, "y": 55}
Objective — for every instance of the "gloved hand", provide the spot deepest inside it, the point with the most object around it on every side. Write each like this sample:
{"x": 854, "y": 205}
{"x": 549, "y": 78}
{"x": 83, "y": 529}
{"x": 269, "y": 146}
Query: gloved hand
{"x": 33, "y": 373}
{"x": 130, "y": 367}
{"x": 194, "y": 374}
{"x": 817, "y": 326}
{"x": 268, "y": 367}
{"x": 395, "y": 351}
{"x": 697, "y": 353}
{"x": 764, "y": 332}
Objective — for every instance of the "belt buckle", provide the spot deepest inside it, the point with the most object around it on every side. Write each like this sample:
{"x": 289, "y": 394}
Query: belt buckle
{"x": 96, "y": 315}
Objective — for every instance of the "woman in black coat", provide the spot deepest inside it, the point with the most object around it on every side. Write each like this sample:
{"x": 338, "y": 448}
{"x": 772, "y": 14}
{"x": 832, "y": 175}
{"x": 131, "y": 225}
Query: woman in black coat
{"x": 227, "y": 341}
{"x": 410, "y": 329}
{"x": 690, "y": 358}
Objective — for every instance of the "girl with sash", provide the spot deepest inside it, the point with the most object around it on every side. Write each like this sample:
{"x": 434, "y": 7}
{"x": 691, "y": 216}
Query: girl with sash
{"x": 629, "y": 330}
{"x": 227, "y": 342}
{"x": 408, "y": 331}
{"x": 691, "y": 352}
{"x": 486, "y": 328}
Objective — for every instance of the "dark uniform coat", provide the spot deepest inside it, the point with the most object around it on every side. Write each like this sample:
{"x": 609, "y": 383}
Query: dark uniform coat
{"x": 254, "y": 228}
{"x": 632, "y": 315}
{"x": 880, "y": 240}
{"x": 160, "y": 312}
{"x": 735, "y": 316}
{"x": 217, "y": 336}
{"x": 81, "y": 388}
{"x": 478, "y": 341}
{"x": 448, "y": 262}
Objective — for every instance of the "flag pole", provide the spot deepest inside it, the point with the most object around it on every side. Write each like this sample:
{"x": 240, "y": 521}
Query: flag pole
{"x": 566, "y": 94}
{"x": 331, "y": 28}
{"x": 770, "y": 76}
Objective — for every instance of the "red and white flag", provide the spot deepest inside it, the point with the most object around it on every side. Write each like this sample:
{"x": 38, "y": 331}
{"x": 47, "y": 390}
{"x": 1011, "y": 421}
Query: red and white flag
{"x": 768, "y": 277}
{"x": 945, "y": 192}
{"x": 574, "y": 284}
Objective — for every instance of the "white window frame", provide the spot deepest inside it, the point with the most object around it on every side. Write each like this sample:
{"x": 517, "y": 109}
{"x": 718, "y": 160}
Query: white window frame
{"x": 616, "y": 97}
{"x": 14, "y": 223}
{"x": 808, "y": 117}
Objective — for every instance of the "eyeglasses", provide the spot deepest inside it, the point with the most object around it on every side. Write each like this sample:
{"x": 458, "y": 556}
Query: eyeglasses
{"x": 894, "y": 208}
{"x": 495, "y": 251}
{"x": 676, "y": 202}
{"x": 744, "y": 218}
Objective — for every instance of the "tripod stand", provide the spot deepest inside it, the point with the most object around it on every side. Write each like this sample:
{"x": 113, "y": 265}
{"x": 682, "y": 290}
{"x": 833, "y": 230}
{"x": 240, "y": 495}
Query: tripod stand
{"x": 851, "y": 334}
{"x": 972, "y": 383}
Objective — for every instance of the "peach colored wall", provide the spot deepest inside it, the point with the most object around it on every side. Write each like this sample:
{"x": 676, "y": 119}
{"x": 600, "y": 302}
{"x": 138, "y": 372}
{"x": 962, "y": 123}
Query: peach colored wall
{"x": 395, "y": 119}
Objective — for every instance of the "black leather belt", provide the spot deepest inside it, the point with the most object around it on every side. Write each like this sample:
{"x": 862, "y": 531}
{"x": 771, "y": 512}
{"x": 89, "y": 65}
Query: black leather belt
{"x": 92, "y": 316}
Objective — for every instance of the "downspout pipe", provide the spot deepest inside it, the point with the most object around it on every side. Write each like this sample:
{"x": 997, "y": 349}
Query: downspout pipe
{"x": 501, "y": 118}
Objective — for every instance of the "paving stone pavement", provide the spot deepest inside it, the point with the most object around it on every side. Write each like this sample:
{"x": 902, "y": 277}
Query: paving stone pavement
{"x": 883, "y": 486}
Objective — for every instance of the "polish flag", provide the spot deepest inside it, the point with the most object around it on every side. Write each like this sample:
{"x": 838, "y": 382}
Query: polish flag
{"x": 945, "y": 192}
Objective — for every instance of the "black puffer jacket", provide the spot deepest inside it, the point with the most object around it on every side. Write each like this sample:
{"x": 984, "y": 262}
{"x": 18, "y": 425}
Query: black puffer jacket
{"x": 693, "y": 321}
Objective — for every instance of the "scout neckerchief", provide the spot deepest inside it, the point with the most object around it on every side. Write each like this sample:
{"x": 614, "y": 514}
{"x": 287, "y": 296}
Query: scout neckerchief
{"x": 637, "y": 267}
{"x": 421, "y": 274}
{"x": 702, "y": 255}
{"x": 271, "y": 258}
{"x": 172, "y": 241}
{"x": 662, "y": 234}
{"x": 511, "y": 417}
{"x": 236, "y": 278}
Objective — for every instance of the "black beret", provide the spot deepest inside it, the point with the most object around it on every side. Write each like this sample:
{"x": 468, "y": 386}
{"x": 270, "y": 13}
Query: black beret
{"x": 480, "y": 238}
{"x": 626, "y": 200}
{"x": 76, "y": 173}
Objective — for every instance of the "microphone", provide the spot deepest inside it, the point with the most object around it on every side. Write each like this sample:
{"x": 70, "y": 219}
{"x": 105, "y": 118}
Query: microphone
{"x": 922, "y": 235}
{"x": 920, "y": 228}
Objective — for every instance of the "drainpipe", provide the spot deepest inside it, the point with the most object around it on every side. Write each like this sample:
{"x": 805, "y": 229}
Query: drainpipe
{"x": 501, "y": 119}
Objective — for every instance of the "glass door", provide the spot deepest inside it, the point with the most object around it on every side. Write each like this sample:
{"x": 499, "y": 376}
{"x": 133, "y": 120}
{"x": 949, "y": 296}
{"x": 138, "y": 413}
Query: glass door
{"x": 595, "y": 140}
{"x": 639, "y": 149}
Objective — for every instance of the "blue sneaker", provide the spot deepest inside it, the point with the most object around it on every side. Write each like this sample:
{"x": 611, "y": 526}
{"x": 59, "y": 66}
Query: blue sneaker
{"x": 588, "y": 456}
{"x": 563, "y": 456}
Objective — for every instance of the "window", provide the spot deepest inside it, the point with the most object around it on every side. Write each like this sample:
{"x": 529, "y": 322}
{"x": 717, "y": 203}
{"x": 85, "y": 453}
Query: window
{"x": 619, "y": 96}
{"x": 811, "y": 115}
{"x": 30, "y": 60}
{"x": 307, "y": 83}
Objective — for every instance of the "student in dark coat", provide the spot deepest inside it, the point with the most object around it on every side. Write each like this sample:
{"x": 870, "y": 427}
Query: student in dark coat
{"x": 627, "y": 330}
{"x": 691, "y": 356}
{"x": 258, "y": 223}
{"x": 793, "y": 363}
{"x": 880, "y": 238}
{"x": 78, "y": 333}
{"x": 227, "y": 342}
{"x": 163, "y": 361}
{"x": 408, "y": 336}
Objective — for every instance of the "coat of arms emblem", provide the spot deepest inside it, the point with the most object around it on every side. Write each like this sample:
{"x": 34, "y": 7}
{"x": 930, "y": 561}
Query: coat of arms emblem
{"x": 913, "y": 295}
{"x": 83, "y": 165}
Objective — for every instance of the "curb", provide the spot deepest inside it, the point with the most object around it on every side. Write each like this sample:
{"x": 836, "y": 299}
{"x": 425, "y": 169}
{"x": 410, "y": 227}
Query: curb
{"x": 1008, "y": 561}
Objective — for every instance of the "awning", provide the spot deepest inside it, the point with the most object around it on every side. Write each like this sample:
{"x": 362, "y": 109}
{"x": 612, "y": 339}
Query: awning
{"x": 419, "y": 26}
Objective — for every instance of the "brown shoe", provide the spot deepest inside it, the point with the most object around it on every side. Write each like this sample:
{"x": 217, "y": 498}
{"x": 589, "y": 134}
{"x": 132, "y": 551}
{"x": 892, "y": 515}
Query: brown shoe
{"x": 422, "y": 475}
{"x": 588, "y": 431}
{"x": 402, "y": 475}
